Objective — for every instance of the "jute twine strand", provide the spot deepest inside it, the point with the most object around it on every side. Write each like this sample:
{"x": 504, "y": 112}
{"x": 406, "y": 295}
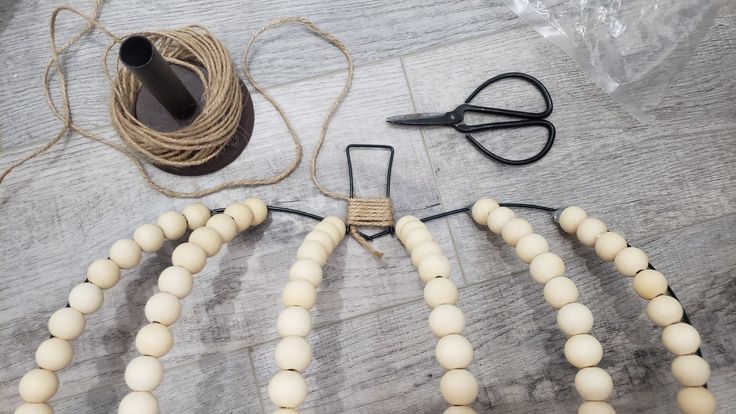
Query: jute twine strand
{"x": 368, "y": 212}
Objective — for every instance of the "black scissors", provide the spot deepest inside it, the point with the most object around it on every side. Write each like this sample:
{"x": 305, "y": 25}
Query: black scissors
{"x": 527, "y": 119}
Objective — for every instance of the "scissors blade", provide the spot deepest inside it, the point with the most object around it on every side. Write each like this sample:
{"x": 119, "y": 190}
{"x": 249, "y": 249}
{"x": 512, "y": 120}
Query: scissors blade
{"x": 442, "y": 118}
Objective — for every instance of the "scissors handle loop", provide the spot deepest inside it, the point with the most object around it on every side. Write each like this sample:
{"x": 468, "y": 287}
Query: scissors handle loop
{"x": 467, "y": 107}
{"x": 511, "y": 124}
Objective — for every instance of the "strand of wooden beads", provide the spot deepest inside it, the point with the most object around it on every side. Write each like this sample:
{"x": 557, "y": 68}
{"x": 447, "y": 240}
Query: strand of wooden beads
{"x": 679, "y": 337}
{"x": 453, "y": 351}
{"x": 582, "y": 350}
{"x": 209, "y": 233}
{"x": 288, "y": 389}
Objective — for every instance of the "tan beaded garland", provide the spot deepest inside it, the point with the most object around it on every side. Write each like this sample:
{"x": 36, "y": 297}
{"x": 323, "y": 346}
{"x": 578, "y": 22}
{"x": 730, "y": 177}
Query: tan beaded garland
{"x": 104, "y": 273}
{"x": 54, "y": 354}
{"x": 196, "y": 216}
{"x": 125, "y": 253}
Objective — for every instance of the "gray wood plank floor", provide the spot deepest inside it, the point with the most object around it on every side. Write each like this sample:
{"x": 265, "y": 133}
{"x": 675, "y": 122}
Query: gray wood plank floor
{"x": 668, "y": 186}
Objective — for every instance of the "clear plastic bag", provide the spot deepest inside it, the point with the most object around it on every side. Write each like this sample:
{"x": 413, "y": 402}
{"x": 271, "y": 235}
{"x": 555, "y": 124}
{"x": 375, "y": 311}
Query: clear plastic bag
{"x": 632, "y": 49}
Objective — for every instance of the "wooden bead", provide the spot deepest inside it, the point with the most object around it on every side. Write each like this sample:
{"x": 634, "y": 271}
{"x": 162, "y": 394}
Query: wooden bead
{"x": 86, "y": 298}
{"x": 696, "y": 400}
{"x": 305, "y": 269}
{"x": 293, "y": 352}
{"x": 593, "y": 384}
{"x": 498, "y": 218}
{"x": 691, "y": 370}
{"x": 173, "y": 224}
{"x": 649, "y": 284}
{"x": 34, "y": 408}
{"x": 176, "y": 280}
{"x": 515, "y": 229}
{"x": 154, "y": 340}
{"x": 545, "y": 267}
{"x": 681, "y": 338}
{"x": 287, "y": 389}
{"x": 630, "y": 261}
{"x": 322, "y": 238}
{"x": 454, "y": 351}
{"x": 38, "y": 385}
{"x": 596, "y": 407}
{"x": 459, "y": 387}
{"x": 54, "y": 354}
{"x": 481, "y": 209}
{"x": 459, "y": 410}
{"x": 299, "y": 293}
{"x": 416, "y": 237}
{"x": 163, "y": 308}
{"x": 589, "y": 230}
{"x": 403, "y": 221}
{"x": 440, "y": 291}
{"x": 285, "y": 411}
{"x": 330, "y": 229}
{"x": 432, "y": 266}
{"x": 337, "y": 222}
{"x": 446, "y": 320}
{"x": 530, "y": 246}
{"x": 67, "y": 323}
{"x": 224, "y": 225}
{"x": 560, "y": 291}
{"x": 196, "y": 215}
{"x": 149, "y": 237}
{"x": 104, "y": 273}
{"x": 208, "y": 239}
{"x": 138, "y": 402}
{"x": 570, "y": 218}
{"x": 609, "y": 244}
{"x": 314, "y": 251}
{"x": 583, "y": 351}
{"x": 664, "y": 310}
{"x": 189, "y": 256}
{"x": 241, "y": 214}
{"x": 259, "y": 209}
{"x": 294, "y": 321}
{"x": 574, "y": 319}
{"x": 144, "y": 373}
{"x": 409, "y": 227}
{"x": 125, "y": 253}
{"x": 422, "y": 250}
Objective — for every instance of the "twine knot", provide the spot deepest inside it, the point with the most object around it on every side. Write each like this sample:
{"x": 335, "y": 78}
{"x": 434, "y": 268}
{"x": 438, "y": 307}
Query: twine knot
{"x": 368, "y": 212}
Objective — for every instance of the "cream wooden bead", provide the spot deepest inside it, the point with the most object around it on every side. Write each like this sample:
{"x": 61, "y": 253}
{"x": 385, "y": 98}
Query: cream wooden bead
{"x": 330, "y": 229}
{"x": 163, "y": 308}
{"x": 560, "y": 291}
{"x": 241, "y": 214}
{"x": 208, "y": 239}
{"x": 440, "y": 291}
{"x": 154, "y": 340}
{"x": 224, "y": 225}
{"x": 530, "y": 246}
{"x": 593, "y": 384}
{"x": 545, "y": 267}
{"x": 664, "y": 310}
{"x": 422, "y": 250}
{"x": 453, "y": 351}
{"x": 691, "y": 370}
{"x": 481, "y": 209}
{"x": 649, "y": 284}
{"x": 173, "y": 224}
{"x": 287, "y": 389}
{"x": 455, "y": 409}
{"x": 631, "y": 260}
{"x": 305, "y": 269}
{"x": 515, "y": 229}
{"x": 259, "y": 209}
{"x": 144, "y": 373}
{"x": 596, "y": 407}
{"x": 696, "y": 400}
{"x": 575, "y": 319}
{"x": 432, "y": 266}
{"x": 293, "y": 352}
{"x": 67, "y": 323}
{"x": 54, "y": 354}
{"x": 189, "y": 256}
{"x": 322, "y": 238}
{"x": 609, "y": 244}
{"x": 138, "y": 402}
{"x": 416, "y": 237}
{"x": 498, "y": 218}
{"x": 176, "y": 280}
{"x": 299, "y": 293}
{"x": 402, "y": 222}
{"x": 681, "y": 338}
{"x": 125, "y": 253}
{"x": 583, "y": 351}
{"x": 196, "y": 215}
{"x": 294, "y": 321}
{"x": 285, "y": 411}
{"x": 104, "y": 273}
{"x": 86, "y": 298}
{"x": 314, "y": 251}
{"x": 38, "y": 385}
{"x": 409, "y": 227}
{"x": 149, "y": 237}
{"x": 34, "y": 408}
{"x": 459, "y": 387}
{"x": 446, "y": 320}
{"x": 337, "y": 222}
{"x": 589, "y": 230}
{"x": 570, "y": 218}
